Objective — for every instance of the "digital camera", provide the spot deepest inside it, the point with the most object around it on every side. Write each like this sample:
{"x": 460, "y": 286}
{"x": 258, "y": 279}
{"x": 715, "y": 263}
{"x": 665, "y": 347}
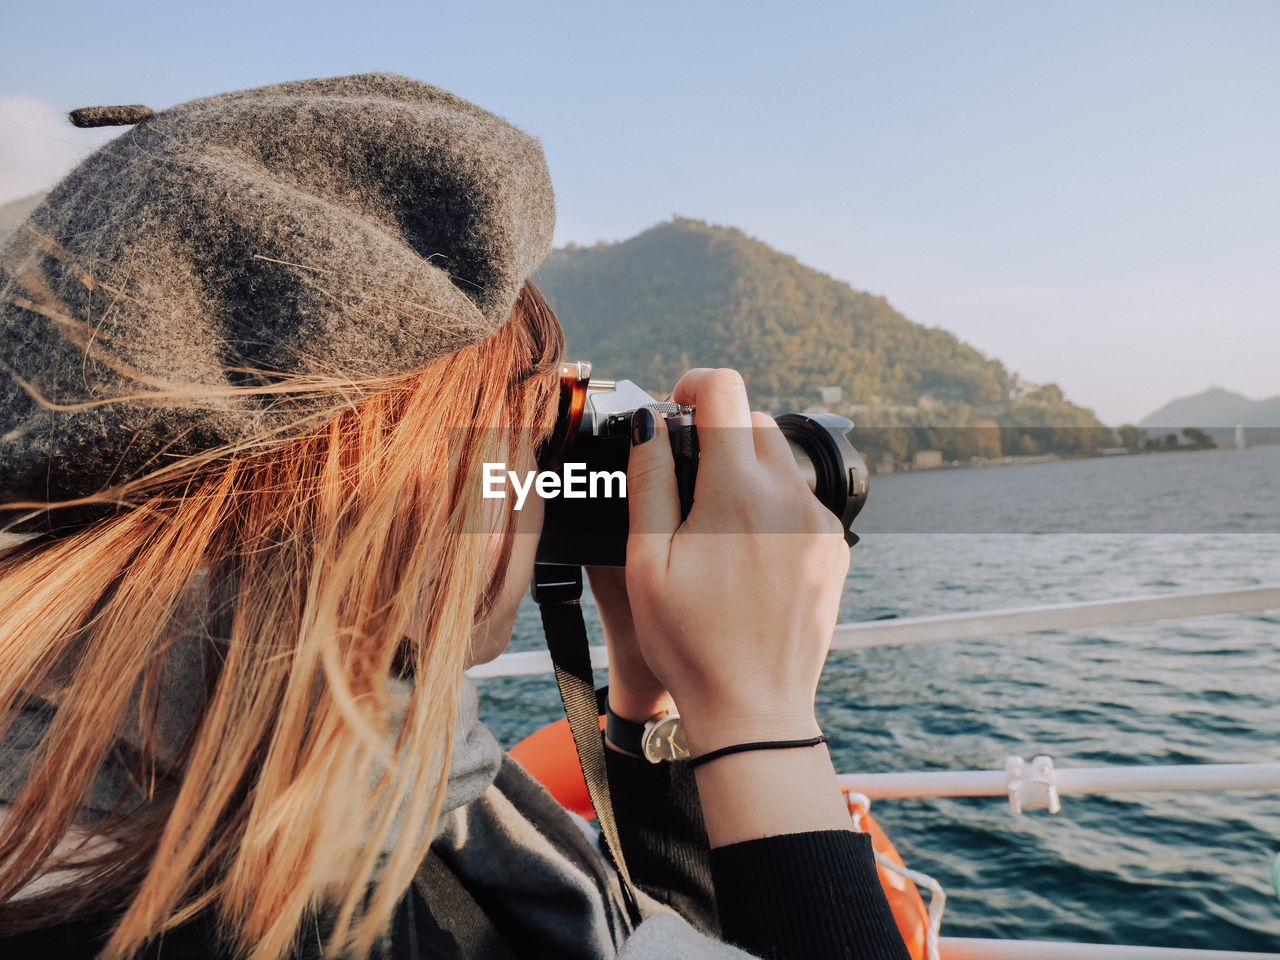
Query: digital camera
{"x": 594, "y": 429}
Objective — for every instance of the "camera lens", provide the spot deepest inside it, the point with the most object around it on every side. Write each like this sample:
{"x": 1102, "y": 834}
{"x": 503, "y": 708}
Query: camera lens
{"x": 832, "y": 468}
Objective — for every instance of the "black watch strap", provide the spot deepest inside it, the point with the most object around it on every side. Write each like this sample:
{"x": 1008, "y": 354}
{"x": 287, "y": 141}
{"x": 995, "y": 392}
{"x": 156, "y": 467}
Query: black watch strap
{"x": 659, "y": 740}
{"x": 624, "y": 734}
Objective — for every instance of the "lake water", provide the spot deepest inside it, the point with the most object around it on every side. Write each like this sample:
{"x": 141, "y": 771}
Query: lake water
{"x": 1188, "y": 870}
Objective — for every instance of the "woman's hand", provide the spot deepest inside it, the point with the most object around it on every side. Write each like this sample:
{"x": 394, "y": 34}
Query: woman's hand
{"x": 634, "y": 692}
{"x": 734, "y": 609}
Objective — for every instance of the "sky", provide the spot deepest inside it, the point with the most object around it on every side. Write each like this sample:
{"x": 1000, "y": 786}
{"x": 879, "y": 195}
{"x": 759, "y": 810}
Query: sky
{"x": 1089, "y": 191}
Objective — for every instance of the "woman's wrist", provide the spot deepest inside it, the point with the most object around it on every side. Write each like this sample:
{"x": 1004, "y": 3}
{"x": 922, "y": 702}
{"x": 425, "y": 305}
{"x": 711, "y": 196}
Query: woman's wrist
{"x": 638, "y": 705}
{"x": 709, "y": 726}
{"x": 747, "y": 796}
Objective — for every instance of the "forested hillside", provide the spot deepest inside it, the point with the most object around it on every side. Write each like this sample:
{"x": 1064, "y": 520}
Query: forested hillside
{"x": 686, "y": 293}
{"x": 720, "y": 297}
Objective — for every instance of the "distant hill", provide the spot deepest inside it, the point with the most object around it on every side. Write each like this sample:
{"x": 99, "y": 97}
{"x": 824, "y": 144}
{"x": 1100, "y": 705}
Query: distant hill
{"x": 15, "y": 211}
{"x": 1215, "y": 407}
{"x": 686, "y": 293}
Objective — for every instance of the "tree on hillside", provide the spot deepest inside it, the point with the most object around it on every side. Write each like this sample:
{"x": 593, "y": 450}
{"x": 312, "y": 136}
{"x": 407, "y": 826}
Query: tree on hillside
{"x": 1197, "y": 439}
{"x": 1132, "y": 437}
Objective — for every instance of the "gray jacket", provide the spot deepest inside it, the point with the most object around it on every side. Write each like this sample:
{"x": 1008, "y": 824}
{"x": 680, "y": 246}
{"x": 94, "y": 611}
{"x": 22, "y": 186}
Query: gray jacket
{"x": 504, "y": 836}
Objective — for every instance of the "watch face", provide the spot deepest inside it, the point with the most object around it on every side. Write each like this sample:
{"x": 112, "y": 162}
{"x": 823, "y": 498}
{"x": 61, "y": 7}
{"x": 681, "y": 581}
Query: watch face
{"x": 664, "y": 740}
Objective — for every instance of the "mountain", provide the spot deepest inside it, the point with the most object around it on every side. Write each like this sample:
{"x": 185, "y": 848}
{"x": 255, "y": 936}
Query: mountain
{"x": 1215, "y": 407}
{"x": 713, "y": 295}
{"x": 685, "y": 293}
{"x": 15, "y": 211}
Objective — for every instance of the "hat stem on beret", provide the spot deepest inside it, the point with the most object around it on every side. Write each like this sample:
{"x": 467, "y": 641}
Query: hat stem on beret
{"x": 121, "y": 116}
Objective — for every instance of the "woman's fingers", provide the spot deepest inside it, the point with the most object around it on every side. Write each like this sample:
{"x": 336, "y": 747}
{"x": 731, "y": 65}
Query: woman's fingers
{"x": 772, "y": 448}
{"x": 720, "y": 395}
{"x": 652, "y": 498}
{"x": 721, "y": 414}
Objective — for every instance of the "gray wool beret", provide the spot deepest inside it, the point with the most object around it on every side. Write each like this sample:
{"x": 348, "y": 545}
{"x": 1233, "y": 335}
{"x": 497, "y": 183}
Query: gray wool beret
{"x": 351, "y": 227}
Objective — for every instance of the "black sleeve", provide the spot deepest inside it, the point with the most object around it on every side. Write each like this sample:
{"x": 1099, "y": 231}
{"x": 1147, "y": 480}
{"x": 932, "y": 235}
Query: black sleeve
{"x": 802, "y": 896}
{"x": 805, "y": 895}
{"x": 664, "y": 839}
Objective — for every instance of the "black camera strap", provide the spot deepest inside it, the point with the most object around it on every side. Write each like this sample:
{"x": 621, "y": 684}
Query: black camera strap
{"x": 557, "y": 588}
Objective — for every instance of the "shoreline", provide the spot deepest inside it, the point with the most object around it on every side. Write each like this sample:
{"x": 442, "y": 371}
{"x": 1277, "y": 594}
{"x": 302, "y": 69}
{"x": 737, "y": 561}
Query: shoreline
{"x": 979, "y": 463}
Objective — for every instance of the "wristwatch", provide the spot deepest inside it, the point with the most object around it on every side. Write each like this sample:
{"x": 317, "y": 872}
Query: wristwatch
{"x": 658, "y": 740}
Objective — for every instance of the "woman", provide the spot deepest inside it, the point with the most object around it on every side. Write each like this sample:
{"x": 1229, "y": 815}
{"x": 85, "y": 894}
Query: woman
{"x": 257, "y": 351}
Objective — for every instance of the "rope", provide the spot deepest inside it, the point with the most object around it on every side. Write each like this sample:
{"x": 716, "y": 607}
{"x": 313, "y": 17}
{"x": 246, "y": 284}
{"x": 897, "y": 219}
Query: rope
{"x": 860, "y": 806}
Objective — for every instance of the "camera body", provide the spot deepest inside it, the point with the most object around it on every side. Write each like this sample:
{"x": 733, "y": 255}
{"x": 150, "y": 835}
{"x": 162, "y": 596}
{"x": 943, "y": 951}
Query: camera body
{"x": 594, "y": 428}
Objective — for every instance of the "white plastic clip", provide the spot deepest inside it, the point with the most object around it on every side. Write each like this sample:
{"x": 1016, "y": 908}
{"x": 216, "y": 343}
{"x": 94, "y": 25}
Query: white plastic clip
{"x": 859, "y": 807}
{"x": 1033, "y": 787}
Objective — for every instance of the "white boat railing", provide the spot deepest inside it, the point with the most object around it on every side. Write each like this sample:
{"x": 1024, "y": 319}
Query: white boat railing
{"x": 1067, "y": 780}
{"x": 974, "y": 625}
{"x": 1058, "y": 616}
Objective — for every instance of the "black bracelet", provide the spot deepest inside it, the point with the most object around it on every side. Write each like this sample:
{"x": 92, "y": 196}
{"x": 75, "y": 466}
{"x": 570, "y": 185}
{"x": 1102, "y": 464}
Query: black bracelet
{"x": 760, "y": 745}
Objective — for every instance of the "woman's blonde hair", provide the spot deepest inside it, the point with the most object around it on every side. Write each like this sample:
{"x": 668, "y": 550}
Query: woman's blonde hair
{"x": 348, "y": 556}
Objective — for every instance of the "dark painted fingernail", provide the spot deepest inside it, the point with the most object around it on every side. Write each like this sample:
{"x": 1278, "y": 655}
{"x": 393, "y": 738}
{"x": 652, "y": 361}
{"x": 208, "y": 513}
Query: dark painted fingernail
{"x": 643, "y": 425}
